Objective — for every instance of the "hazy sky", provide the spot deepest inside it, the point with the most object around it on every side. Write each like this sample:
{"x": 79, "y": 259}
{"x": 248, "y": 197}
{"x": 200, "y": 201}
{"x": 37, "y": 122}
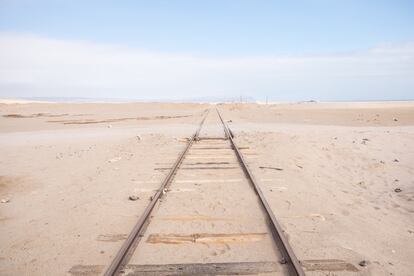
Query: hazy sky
{"x": 283, "y": 50}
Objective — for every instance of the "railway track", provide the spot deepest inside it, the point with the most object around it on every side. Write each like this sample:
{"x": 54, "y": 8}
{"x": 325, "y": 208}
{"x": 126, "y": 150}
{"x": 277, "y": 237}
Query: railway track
{"x": 209, "y": 217}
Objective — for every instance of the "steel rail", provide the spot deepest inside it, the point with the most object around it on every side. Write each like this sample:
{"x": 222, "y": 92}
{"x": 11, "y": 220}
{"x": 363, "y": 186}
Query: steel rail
{"x": 288, "y": 256}
{"x": 123, "y": 255}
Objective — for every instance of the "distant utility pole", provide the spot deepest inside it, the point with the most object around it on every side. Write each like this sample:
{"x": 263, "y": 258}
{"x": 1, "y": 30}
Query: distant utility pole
{"x": 241, "y": 99}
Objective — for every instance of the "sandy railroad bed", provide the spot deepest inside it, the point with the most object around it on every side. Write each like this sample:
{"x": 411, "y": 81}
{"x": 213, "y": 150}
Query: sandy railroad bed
{"x": 68, "y": 170}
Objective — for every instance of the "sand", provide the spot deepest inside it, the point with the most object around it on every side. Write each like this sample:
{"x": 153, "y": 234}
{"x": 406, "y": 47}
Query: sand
{"x": 329, "y": 171}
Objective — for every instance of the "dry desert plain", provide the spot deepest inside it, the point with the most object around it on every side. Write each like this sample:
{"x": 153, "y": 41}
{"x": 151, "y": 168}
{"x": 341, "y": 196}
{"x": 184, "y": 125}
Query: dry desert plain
{"x": 338, "y": 176}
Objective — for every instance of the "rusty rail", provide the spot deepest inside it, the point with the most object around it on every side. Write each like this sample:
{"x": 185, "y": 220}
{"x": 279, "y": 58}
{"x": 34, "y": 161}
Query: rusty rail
{"x": 288, "y": 256}
{"x": 124, "y": 253}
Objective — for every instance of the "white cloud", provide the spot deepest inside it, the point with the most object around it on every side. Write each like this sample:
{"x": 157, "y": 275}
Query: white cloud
{"x": 36, "y": 66}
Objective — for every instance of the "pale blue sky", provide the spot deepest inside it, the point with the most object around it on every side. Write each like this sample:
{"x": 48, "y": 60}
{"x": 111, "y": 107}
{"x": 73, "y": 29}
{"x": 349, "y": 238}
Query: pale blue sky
{"x": 363, "y": 50}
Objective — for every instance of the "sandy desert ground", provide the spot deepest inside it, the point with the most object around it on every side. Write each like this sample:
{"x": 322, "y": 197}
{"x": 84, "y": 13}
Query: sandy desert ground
{"x": 339, "y": 177}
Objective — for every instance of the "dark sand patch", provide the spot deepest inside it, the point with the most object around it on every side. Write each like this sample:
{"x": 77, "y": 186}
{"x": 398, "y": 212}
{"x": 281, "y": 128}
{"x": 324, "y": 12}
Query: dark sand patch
{"x": 114, "y": 120}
